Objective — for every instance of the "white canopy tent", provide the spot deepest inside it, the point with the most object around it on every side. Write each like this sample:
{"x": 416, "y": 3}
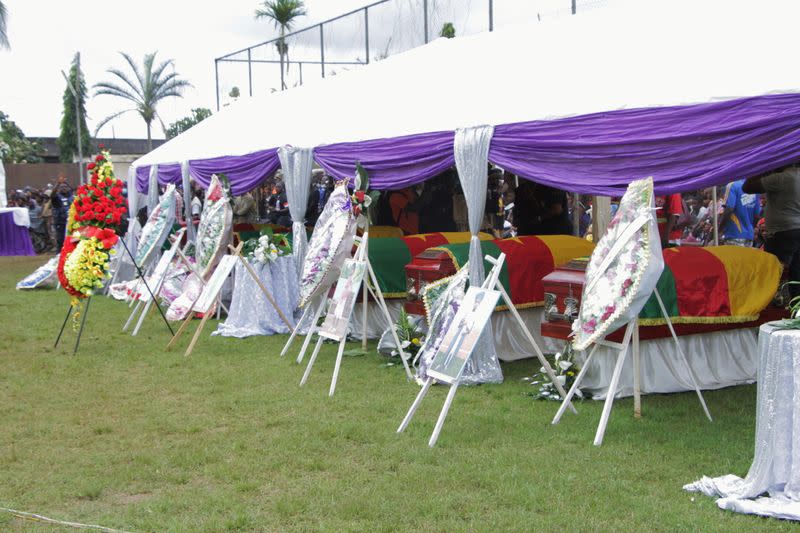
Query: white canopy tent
{"x": 646, "y": 53}
{"x": 630, "y": 54}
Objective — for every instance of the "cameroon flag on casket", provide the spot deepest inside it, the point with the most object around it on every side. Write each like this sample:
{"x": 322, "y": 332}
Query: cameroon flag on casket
{"x": 713, "y": 285}
{"x": 390, "y": 255}
{"x": 528, "y": 260}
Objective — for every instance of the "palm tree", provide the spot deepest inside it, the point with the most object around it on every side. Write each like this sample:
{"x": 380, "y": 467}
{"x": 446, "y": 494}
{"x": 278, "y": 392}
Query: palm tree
{"x": 3, "y": 28}
{"x": 145, "y": 90}
{"x": 282, "y": 13}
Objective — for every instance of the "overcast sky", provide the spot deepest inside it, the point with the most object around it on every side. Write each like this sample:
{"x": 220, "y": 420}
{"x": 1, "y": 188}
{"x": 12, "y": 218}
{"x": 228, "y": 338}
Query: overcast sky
{"x": 45, "y": 34}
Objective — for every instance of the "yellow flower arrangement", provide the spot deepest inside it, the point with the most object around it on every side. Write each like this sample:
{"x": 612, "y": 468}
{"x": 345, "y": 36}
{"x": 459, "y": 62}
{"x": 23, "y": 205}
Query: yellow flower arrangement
{"x": 71, "y": 219}
{"x": 86, "y": 267}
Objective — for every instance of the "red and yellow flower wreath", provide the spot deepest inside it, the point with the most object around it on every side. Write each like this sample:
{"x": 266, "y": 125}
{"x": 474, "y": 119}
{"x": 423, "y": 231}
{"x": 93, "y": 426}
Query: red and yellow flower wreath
{"x": 95, "y": 217}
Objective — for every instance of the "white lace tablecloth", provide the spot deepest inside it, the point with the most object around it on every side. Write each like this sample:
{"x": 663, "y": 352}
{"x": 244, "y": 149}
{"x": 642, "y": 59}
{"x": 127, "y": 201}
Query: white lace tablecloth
{"x": 776, "y": 467}
{"x": 250, "y": 311}
{"x": 21, "y": 215}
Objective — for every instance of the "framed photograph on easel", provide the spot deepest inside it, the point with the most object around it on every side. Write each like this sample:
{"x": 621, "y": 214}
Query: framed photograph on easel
{"x": 344, "y": 299}
{"x": 461, "y": 337}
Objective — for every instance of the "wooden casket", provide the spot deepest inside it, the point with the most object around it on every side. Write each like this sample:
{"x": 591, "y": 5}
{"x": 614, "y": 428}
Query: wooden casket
{"x": 707, "y": 289}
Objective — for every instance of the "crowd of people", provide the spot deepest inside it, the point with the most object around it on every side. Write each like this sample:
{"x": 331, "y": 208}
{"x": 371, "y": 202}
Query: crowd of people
{"x": 762, "y": 212}
{"x": 48, "y": 209}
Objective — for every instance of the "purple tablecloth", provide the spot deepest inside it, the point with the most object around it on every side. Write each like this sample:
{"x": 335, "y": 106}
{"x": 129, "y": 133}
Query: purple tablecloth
{"x": 14, "y": 240}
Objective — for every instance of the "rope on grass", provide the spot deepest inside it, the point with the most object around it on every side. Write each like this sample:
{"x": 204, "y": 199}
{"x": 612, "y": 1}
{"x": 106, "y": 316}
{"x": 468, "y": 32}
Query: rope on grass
{"x": 39, "y": 518}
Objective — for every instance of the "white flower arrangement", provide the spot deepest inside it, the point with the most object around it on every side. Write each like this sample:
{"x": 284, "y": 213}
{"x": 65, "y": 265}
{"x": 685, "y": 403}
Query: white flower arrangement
{"x": 565, "y": 370}
{"x": 268, "y": 247}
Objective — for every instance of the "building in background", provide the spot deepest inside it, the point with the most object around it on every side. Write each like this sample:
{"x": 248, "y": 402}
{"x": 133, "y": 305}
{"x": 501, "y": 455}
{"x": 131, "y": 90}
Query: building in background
{"x": 39, "y": 175}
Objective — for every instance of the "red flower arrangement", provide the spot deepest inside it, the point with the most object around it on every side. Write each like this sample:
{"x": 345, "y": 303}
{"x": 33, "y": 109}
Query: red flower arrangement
{"x": 70, "y": 243}
{"x": 95, "y": 217}
{"x": 100, "y": 202}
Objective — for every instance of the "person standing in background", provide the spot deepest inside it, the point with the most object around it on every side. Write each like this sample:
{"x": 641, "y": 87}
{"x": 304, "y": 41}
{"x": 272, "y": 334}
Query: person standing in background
{"x": 669, "y": 210}
{"x": 403, "y": 208}
{"x": 782, "y": 189}
{"x": 61, "y": 201}
{"x": 47, "y": 217}
{"x": 740, "y": 214}
{"x": 244, "y": 209}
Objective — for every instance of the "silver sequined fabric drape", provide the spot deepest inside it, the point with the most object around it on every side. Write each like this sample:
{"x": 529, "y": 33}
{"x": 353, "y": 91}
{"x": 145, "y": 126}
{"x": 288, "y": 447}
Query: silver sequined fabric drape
{"x": 297, "y": 164}
{"x": 471, "y": 149}
{"x": 776, "y": 466}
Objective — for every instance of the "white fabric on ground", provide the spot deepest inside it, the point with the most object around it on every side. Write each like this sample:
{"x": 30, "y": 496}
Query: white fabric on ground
{"x": 776, "y": 466}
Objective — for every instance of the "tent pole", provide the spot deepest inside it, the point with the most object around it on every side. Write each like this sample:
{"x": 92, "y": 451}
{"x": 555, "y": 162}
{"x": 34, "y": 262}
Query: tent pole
{"x": 715, "y": 211}
{"x": 365, "y": 256}
{"x": 425, "y": 19}
{"x": 216, "y": 77}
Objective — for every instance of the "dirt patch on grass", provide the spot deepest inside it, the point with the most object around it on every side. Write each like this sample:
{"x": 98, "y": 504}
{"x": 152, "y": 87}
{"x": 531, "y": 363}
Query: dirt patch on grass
{"x": 130, "y": 499}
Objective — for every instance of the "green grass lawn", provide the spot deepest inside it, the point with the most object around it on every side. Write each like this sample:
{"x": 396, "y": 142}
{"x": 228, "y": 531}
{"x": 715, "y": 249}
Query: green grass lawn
{"x": 133, "y": 437}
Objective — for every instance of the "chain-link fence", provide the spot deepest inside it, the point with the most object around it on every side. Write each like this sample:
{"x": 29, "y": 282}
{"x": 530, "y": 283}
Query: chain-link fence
{"x": 369, "y": 34}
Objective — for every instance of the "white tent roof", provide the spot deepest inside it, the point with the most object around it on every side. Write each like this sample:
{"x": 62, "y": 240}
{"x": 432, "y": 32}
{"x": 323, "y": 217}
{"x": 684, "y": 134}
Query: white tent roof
{"x": 646, "y": 53}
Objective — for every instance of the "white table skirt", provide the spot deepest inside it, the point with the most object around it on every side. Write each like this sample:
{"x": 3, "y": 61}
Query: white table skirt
{"x": 719, "y": 359}
{"x": 250, "y": 311}
{"x": 20, "y": 214}
{"x": 776, "y": 466}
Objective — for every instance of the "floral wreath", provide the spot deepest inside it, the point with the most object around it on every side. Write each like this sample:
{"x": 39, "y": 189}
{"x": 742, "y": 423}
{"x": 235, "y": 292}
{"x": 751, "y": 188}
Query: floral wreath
{"x": 96, "y": 215}
{"x": 619, "y": 284}
{"x": 362, "y": 196}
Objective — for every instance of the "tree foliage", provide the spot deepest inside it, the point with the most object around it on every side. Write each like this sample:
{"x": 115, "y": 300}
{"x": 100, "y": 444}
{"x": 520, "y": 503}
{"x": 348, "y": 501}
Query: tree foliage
{"x": 68, "y": 140}
{"x": 14, "y": 146}
{"x": 448, "y": 30}
{"x": 149, "y": 85}
{"x": 282, "y": 13}
{"x": 198, "y": 115}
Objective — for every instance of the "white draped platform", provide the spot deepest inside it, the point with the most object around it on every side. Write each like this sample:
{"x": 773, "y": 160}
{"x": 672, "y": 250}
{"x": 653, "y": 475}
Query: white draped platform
{"x": 772, "y": 486}
{"x": 250, "y": 311}
{"x": 719, "y": 359}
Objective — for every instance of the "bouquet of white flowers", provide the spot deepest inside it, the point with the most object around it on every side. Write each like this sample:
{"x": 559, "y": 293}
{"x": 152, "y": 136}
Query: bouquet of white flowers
{"x": 267, "y": 247}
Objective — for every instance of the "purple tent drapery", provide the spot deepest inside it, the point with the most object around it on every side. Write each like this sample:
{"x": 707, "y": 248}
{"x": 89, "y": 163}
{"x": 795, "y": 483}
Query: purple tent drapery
{"x": 682, "y": 147}
{"x": 392, "y": 163}
{"x": 167, "y": 173}
{"x": 244, "y": 171}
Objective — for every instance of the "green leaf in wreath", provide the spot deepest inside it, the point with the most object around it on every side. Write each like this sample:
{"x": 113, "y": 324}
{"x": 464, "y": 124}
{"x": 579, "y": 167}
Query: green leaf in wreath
{"x": 363, "y": 177}
{"x": 268, "y": 232}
